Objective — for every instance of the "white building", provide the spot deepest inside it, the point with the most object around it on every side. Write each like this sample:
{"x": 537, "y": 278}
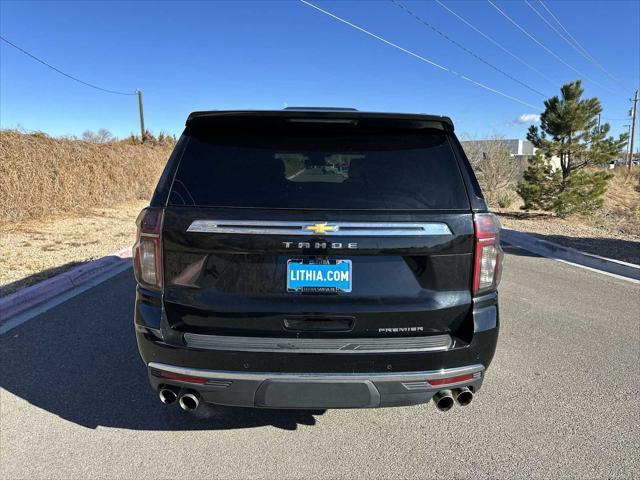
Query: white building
{"x": 520, "y": 150}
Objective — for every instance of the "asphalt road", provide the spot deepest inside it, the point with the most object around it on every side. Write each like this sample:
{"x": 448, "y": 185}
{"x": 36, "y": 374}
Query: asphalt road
{"x": 560, "y": 400}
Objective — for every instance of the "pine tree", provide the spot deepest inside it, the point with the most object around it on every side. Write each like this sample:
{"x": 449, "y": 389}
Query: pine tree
{"x": 569, "y": 130}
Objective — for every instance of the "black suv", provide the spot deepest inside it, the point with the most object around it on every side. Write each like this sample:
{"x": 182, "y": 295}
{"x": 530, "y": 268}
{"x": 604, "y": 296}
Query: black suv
{"x": 317, "y": 258}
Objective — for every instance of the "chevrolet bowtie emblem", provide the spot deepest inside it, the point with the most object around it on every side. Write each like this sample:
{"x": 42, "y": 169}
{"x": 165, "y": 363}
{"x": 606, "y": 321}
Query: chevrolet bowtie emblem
{"x": 321, "y": 228}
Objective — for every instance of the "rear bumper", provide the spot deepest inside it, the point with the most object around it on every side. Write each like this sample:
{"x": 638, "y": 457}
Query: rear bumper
{"x": 317, "y": 390}
{"x": 268, "y": 374}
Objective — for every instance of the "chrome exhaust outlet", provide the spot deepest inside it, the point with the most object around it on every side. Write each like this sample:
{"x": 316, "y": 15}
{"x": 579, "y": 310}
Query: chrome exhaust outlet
{"x": 189, "y": 401}
{"x": 443, "y": 400}
{"x": 463, "y": 396}
{"x": 167, "y": 396}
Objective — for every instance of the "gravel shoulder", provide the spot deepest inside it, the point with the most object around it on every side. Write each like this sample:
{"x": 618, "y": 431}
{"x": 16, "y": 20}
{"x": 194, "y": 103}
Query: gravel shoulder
{"x": 33, "y": 251}
{"x": 592, "y": 235}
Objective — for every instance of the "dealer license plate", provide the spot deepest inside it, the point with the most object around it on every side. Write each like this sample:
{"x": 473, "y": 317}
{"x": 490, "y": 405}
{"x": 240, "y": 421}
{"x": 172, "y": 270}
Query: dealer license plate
{"x": 319, "y": 277}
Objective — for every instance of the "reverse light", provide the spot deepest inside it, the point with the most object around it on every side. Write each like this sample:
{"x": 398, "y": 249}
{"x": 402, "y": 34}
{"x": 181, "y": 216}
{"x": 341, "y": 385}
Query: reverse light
{"x": 147, "y": 255}
{"x": 487, "y": 266}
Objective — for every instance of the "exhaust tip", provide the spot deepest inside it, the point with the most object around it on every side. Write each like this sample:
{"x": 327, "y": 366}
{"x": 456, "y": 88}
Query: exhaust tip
{"x": 443, "y": 400}
{"x": 189, "y": 402}
{"x": 463, "y": 396}
{"x": 167, "y": 396}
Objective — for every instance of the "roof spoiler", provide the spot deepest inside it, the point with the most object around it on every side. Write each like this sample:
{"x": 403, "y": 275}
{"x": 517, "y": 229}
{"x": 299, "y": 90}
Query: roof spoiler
{"x": 321, "y": 109}
{"x": 322, "y": 115}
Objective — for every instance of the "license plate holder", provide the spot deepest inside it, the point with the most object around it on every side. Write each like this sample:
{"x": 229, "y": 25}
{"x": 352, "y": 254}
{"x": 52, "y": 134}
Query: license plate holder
{"x": 312, "y": 276}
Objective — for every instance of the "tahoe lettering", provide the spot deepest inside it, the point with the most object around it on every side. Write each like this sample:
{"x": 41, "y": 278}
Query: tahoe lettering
{"x": 321, "y": 245}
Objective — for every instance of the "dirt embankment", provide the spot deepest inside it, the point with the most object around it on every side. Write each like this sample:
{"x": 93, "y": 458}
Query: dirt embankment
{"x": 41, "y": 176}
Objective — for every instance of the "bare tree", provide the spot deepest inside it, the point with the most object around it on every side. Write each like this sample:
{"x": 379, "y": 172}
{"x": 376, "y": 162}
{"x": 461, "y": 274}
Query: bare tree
{"x": 101, "y": 136}
{"x": 495, "y": 168}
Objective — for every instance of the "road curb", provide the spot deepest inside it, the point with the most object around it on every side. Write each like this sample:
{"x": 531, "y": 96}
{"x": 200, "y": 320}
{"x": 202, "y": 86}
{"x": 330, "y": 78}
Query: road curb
{"x": 556, "y": 251}
{"x": 29, "y": 297}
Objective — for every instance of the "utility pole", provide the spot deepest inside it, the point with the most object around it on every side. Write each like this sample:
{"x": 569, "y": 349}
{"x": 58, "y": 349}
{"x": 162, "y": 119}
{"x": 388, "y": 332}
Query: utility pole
{"x": 142, "y": 132}
{"x": 633, "y": 128}
{"x": 626, "y": 152}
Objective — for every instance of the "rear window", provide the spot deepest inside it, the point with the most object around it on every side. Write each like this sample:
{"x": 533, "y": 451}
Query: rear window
{"x": 320, "y": 170}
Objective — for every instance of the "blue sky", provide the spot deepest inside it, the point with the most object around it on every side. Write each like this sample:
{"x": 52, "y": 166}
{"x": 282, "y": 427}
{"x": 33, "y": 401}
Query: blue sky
{"x": 201, "y": 55}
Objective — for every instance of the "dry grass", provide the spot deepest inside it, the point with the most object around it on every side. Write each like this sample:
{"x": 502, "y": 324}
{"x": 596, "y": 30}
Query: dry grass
{"x": 622, "y": 202}
{"x": 34, "y": 250}
{"x": 41, "y": 175}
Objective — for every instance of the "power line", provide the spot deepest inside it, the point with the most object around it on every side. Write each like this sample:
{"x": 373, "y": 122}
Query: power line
{"x": 445, "y": 36}
{"x": 63, "y": 73}
{"x": 419, "y": 57}
{"x": 555, "y": 29}
{"x": 580, "y": 50}
{"x": 496, "y": 43}
{"x": 552, "y": 53}
{"x": 585, "y": 53}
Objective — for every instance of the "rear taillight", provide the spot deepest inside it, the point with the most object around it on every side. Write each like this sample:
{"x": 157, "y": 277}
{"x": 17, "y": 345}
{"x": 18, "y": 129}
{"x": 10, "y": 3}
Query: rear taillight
{"x": 147, "y": 256}
{"x": 487, "y": 264}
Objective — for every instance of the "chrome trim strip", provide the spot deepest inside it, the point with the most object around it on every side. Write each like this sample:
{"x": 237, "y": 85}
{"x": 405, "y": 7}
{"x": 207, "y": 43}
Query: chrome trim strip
{"x": 391, "y": 376}
{"x": 430, "y": 343}
{"x": 344, "y": 229}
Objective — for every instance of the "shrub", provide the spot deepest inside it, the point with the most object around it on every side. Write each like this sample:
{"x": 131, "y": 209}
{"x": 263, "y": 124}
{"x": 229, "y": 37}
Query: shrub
{"x": 540, "y": 185}
{"x": 583, "y": 194}
{"x": 101, "y": 136}
{"x": 505, "y": 199}
{"x": 493, "y": 165}
{"x": 149, "y": 138}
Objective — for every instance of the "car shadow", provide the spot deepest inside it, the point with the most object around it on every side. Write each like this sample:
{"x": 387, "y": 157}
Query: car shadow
{"x": 514, "y": 250}
{"x": 80, "y": 362}
{"x": 522, "y": 215}
{"x": 36, "y": 277}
